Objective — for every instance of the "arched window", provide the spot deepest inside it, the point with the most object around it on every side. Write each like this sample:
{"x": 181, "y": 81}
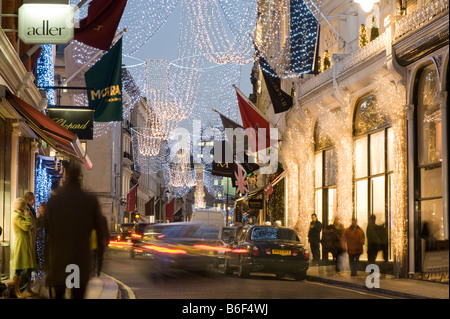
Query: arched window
{"x": 325, "y": 177}
{"x": 372, "y": 163}
{"x": 429, "y": 156}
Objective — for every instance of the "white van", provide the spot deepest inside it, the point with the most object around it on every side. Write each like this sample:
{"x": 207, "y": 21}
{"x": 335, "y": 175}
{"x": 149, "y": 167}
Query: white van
{"x": 213, "y": 217}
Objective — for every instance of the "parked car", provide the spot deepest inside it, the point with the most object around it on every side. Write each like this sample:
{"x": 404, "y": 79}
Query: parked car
{"x": 269, "y": 249}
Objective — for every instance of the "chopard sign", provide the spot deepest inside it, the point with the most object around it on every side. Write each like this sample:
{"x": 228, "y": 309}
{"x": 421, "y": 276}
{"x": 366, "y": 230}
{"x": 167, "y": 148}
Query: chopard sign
{"x": 46, "y": 23}
{"x": 78, "y": 121}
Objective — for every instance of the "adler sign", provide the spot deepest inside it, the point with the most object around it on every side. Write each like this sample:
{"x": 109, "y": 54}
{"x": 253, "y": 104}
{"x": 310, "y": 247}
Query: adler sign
{"x": 46, "y": 23}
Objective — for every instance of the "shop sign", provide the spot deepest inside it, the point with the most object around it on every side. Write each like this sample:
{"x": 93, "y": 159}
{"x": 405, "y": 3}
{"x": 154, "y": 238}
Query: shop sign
{"x": 46, "y": 23}
{"x": 78, "y": 121}
{"x": 254, "y": 203}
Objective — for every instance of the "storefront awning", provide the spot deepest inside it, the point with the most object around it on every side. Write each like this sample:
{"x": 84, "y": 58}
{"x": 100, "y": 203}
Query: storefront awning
{"x": 57, "y": 136}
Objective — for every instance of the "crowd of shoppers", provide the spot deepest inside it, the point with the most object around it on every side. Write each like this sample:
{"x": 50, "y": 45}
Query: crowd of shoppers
{"x": 341, "y": 241}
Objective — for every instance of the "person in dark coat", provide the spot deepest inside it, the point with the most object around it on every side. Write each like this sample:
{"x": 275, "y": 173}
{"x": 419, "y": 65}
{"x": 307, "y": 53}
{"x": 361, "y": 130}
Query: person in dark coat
{"x": 71, "y": 216}
{"x": 331, "y": 240}
{"x": 315, "y": 228}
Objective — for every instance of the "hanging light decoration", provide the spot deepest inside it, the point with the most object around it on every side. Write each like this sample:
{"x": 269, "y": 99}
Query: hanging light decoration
{"x": 221, "y": 35}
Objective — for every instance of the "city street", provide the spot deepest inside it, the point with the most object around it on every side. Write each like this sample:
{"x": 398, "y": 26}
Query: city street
{"x": 214, "y": 284}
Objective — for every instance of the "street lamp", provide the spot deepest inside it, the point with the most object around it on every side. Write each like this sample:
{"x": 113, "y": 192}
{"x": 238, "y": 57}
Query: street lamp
{"x": 367, "y": 5}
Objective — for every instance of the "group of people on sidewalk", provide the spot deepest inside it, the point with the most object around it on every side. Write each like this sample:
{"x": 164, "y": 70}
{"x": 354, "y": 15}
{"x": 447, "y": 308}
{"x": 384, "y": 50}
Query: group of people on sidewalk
{"x": 55, "y": 243}
{"x": 338, "y": 240}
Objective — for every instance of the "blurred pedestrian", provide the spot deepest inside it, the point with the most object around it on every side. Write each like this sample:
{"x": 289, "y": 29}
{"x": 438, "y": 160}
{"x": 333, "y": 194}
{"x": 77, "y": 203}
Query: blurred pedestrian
{"x": 331, "y": 241}
{"x": 373, "y": 242}
{"x": 23, "y": 256}
{"x": 315, "y": 227}
{"x": 376, "y": 240}
{"x": 28, "y": 275}
{"x": 71, "y": 216}
{"x": 353, "y": 242}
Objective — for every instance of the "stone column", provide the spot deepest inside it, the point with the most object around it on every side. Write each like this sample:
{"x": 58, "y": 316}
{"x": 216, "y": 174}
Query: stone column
{"x": 409, "y": 110}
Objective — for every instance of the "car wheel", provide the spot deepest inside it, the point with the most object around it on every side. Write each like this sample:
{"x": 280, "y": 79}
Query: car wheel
{"x": 227, "y": 269}
{"x": 301, "y": 275}
{"x": 243, "y": 271}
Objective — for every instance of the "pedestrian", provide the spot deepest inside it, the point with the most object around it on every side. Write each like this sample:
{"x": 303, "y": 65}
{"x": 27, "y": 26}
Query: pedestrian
{"x": 27, "y": 276}
{"x": 331, "y": 241}
{"x": 373, "y": 241}
{"x": 23, "y": 256}
{"x": 315, "y": 227}
{"x": 340, "y": 258}
{"x": 353, "y": 242}
{"x": 71, "y": 216}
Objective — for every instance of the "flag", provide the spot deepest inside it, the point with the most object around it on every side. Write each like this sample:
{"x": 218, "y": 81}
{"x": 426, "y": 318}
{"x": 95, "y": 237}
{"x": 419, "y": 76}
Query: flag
{"x": 240, "y": 179}
{"x": 251, "y": 118}
{"x": 99, "y": 27}
{"x": 281, "y": 101}
{"x": 225, "y": 167}
{"x": 304, "y": 38}
{"x": 131, "y": 200}
{"x": 105, "y": 79}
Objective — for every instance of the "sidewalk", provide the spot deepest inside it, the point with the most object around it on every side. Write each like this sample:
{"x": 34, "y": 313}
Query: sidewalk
{"x": 103, "y": 287}
{"x": 396, "y": 287}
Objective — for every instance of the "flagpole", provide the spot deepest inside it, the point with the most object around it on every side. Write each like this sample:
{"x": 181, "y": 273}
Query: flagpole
{"x": 68, "y": 79}
{"x": 253, "y": 106}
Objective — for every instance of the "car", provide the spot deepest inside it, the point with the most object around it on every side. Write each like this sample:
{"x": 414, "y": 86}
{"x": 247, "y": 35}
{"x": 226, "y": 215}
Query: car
{"x": 128, "y": 237}
{"x": 267, "y": 249}
{"x": 180, "y": 246}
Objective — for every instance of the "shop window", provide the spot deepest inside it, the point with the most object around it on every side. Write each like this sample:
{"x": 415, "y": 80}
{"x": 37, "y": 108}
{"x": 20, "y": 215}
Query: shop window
{"x": 373, "y": 164}
{"x": 324, "y": 177}
{"x": 429, "y": 157}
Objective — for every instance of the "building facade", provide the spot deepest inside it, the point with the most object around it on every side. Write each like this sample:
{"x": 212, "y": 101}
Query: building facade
{"x": 27, "y": 152}
{"x": 368, "y": 135}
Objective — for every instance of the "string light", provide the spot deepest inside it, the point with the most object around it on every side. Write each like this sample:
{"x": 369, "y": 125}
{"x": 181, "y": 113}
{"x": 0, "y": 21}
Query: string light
{"x": 45, "y": 71}
{"x": 211, "y": 34}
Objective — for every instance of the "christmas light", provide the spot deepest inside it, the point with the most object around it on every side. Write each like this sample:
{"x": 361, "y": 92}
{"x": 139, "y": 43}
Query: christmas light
{"x": 45, "y": 71}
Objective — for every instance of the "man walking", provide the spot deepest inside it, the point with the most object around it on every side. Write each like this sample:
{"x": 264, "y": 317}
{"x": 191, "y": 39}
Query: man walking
{"x": 353, "y": 242}
{"x": 72, "y": 215}
{"x": 315, "y": 227}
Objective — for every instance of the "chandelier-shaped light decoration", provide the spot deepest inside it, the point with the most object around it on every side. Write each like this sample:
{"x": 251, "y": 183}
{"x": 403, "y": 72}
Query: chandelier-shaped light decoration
{"x": 222, "y": 29}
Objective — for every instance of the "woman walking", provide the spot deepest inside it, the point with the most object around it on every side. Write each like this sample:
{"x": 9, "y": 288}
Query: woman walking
{"x": 23, "y": 258}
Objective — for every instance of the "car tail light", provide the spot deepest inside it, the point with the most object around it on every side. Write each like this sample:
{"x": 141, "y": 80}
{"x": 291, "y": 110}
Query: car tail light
{"x": 306, "y": 254}
{"x": 255, "y": 251}
{"x": 294, "y": 252}
{"x": 136, "y": 236}
{"x": 268, "y": 251}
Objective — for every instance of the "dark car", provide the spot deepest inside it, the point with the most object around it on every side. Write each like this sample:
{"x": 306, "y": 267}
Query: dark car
{"x": 180, "y": 247}
{"x": 268, "y": 249}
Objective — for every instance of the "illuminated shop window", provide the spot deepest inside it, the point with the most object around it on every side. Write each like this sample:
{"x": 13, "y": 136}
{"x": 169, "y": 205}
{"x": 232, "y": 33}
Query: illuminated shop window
{"x": 372, "y": 164}
{"x": 325, "y": 177}
{"x": 429, "y": 159}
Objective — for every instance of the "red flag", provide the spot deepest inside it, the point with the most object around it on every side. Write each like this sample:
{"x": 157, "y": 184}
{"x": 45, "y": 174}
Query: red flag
{"x": 170, "y": 209}
{"x": 131, "y": 200}
{"x": 99, "y": 27}
{"x": 251, "y": 118}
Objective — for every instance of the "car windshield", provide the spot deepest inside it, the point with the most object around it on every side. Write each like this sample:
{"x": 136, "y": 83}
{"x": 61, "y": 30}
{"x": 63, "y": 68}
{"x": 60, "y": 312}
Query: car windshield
{"x": 271, "y": 233}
